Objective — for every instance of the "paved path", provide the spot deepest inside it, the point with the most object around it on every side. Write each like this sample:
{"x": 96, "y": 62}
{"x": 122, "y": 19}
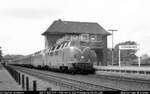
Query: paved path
{"x": 6, "y": 81}
{"x": 129, "y": 75}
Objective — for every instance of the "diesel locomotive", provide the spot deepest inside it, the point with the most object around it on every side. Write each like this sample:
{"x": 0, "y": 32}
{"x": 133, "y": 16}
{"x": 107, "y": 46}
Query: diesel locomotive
{"x": 68, "y": 56}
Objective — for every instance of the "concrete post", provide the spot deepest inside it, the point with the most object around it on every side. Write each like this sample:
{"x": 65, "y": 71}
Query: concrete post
{"x": 27, "y": 83}
{"x": 23, "y": 81}
{"x": 19, "y": 80}
{"x": 34, "y": 85}
{"x": 119, "y": 59}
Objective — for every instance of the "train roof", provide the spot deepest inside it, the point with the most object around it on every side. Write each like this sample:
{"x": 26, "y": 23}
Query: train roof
{"x": 71, "y": 27}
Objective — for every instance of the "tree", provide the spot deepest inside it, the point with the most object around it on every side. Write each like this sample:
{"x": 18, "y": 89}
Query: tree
{"x": 0, "y": 55}
{"x": 145, "y": 60}
{"x": 12, "y": 57}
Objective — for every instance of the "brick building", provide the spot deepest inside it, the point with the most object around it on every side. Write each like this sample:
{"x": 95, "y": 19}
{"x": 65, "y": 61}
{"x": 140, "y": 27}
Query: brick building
{"x": 92, "y": 33}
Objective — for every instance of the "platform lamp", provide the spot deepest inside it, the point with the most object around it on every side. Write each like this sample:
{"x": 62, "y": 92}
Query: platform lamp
{"x": 112, "y": 30}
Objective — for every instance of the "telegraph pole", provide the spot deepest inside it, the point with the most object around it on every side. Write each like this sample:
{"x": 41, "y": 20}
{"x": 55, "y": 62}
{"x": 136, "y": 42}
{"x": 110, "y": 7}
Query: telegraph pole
{"x": 112, "y": 30}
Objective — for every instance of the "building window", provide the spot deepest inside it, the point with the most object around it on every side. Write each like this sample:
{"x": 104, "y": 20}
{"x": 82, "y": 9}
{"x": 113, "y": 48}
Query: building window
{"x": 93, "y": 37}
{"x": 85, "y": 37}
{"x": 99, "y": 37}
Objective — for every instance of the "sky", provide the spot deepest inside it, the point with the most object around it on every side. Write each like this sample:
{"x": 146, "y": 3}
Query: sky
{"x": 23, "y": 21}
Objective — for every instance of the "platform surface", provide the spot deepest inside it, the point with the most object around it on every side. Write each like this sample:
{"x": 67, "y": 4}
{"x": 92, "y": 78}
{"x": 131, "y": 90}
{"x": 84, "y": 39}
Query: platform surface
{"x": 146, "y": 68}
{"x": 120, "y": 74}
{"x": 7, "y": 82}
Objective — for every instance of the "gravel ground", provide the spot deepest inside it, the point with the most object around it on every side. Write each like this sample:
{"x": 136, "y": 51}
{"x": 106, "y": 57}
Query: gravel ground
{"x": 41, "y": 84}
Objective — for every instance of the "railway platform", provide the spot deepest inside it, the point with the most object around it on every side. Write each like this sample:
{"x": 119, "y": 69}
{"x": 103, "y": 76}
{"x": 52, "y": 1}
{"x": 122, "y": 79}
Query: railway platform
{"x": 7, "y": 82}
{"x": 125, "y": 71}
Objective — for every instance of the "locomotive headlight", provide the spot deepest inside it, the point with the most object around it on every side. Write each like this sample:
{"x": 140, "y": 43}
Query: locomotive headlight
{"x": 82, "y": 57}
{"x": 71, "y": 48}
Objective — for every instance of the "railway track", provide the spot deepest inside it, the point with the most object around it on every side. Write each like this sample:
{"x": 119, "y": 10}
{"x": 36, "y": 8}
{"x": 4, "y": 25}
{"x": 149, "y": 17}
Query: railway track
{"x": 120, "y": 78}
{"x": 63, "y": 81}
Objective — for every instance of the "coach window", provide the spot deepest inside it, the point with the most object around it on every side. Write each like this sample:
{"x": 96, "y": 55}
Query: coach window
{"x": 48, "y": 53}
{"x": 53, "y": 48}
{"x": 56, "y": 52}
{"x": 62, "y": 45}
{"x": 51, "y": 53}
{"x": 49, "y": 49}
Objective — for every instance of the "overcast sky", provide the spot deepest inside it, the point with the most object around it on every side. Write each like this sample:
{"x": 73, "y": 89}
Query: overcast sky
{"x": 23, "y": 21}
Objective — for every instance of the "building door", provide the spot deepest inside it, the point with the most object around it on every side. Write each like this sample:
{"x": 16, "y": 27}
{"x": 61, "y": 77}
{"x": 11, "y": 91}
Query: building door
{"x": 99, "y": 53}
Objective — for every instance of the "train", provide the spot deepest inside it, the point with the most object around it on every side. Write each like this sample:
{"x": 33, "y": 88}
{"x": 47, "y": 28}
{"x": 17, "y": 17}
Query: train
{"x": 68, "y": 56}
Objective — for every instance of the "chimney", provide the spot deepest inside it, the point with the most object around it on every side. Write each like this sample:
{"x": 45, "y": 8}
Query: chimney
{"x": 59, "y": 19}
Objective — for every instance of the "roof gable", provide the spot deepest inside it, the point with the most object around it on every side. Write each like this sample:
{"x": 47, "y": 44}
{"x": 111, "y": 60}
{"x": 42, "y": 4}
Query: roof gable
{"x": 75, "y": 27}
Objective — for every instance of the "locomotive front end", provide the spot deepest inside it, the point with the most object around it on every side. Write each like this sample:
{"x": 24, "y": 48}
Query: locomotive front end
{"x": 85, "y": 58}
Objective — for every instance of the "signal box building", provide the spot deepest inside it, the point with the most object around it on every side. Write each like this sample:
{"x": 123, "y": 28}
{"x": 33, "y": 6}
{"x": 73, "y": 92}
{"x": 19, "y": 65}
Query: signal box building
{"x": 91, "y": 34}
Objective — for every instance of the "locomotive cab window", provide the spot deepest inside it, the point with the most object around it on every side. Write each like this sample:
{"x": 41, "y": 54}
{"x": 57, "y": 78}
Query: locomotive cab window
{"x": 53, "y": 48}
{"x": 63, "y": 45}
{"x": 66, "y": 44}
{"x": 69, "y": 43}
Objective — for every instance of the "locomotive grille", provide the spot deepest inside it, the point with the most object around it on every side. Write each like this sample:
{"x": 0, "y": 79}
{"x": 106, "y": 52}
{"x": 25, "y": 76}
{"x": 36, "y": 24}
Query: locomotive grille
{"x": 83, "y": 65}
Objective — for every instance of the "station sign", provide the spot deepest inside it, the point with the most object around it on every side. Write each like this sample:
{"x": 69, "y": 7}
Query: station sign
{"x": 128, "y": 47}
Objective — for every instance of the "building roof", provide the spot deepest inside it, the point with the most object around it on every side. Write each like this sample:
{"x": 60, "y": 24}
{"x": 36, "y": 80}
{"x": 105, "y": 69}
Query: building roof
{"x": 75, "y": 27}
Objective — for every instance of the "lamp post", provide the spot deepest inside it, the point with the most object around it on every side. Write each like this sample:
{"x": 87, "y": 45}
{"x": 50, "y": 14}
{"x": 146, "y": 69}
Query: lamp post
{"x": 139, "y": 54}
{"x": 112, "y": 30}
{"x": 0, "y": 54}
